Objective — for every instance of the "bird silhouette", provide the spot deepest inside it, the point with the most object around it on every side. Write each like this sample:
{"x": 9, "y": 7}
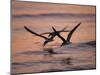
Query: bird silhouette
{"x": 46, "y": 39}
{"x": 66, "y": 41}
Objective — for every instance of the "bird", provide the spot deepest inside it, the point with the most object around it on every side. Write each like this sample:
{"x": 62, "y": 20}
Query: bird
{"x": 46, "y": 39}
{"x": 66, "y": 41}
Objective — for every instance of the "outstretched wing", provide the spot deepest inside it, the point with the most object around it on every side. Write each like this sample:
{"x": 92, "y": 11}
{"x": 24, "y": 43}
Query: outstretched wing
{"x": 35, "y": 33}
{"x": 66, "y": 31}
{"x": 58, "y": 35}
{"x": 45, "y": 33}
{"x": 72, "y": 31}
{"x": 64, "y": 28}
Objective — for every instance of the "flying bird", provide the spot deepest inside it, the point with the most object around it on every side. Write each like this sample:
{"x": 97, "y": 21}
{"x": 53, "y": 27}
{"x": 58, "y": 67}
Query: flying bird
{"x": 67, "y": 41}
{"x": 47, "y": 40}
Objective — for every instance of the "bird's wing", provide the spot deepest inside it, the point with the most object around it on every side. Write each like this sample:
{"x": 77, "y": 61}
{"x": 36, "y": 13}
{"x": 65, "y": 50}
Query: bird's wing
{"x": 35, "y": 33}
{"x": 45, "y": 33}
{"x": 58, "y": 34}
{"x": 64, "y": 28}
{"x": 72, "y": 31}
{"x": 65, "y": 31}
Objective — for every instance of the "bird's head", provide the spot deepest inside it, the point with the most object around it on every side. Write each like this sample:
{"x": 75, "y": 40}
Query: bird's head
{"x": 50, "y": 35}
{"x": 47, "y": 41}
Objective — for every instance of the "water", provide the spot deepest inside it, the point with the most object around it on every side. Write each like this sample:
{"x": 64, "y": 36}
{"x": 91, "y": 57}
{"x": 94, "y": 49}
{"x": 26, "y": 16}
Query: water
{"x": 41, "y": 61}
{"x": 28, "y": 54}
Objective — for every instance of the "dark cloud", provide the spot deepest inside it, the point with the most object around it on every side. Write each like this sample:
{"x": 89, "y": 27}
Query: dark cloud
{"x": 67, "y": 15}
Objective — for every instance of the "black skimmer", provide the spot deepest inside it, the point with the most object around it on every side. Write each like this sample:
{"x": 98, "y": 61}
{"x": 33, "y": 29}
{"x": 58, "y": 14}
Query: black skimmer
{"x": 46, "y": 39}
{"x": 66, "y": 41}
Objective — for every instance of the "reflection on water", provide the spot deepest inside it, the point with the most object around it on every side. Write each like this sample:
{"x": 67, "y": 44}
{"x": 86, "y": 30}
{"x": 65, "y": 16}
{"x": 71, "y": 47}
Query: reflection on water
{"x": 73, "y": 57}
{"x": 28, "y": 54}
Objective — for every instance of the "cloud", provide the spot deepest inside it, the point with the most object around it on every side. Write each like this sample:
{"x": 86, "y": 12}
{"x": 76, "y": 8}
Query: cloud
{"x": 67, "y": 15}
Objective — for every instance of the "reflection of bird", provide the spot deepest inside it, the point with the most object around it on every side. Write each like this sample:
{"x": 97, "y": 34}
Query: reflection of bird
{"x": 67, "y": 60}
{"x": 67, "y": 41}
{"x": 50, "y": 51}
{"x": 46, "y": 39}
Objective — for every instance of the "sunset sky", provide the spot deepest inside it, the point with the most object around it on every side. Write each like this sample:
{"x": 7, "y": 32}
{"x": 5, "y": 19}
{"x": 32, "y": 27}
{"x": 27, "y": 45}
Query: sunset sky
{"x": 40, "y": 17}
{"x": 28, "y": 49}
{"x": 36, "y": 8}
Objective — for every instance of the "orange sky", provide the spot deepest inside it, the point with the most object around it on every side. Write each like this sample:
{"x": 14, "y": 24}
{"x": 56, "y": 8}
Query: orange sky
{"x": 42, "y": 8}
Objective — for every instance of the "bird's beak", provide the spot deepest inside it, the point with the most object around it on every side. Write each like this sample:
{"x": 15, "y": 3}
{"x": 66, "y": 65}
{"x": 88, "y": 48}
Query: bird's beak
{"x": 49, "y": 35}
